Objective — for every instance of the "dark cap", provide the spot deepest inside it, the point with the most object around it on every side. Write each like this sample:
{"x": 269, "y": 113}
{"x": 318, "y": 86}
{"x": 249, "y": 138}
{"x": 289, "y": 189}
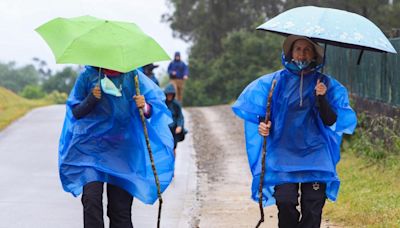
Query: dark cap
{"x": 149, "y": 66}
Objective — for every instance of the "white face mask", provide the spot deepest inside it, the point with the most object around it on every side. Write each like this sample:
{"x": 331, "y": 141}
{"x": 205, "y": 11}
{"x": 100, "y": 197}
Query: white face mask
{"x": 108, "y": 87}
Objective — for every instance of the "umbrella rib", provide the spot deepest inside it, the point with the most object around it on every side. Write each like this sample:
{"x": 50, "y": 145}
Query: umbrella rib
{"x": 129, "y": 31}
{"x": 118, "y": 25}
{"x": 120, "y": 45}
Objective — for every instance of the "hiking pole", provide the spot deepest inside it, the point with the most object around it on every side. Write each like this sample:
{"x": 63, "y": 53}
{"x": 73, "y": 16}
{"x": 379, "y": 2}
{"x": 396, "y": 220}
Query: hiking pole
{"x": 264, "y": 152}
{"x": 153, "y": 166}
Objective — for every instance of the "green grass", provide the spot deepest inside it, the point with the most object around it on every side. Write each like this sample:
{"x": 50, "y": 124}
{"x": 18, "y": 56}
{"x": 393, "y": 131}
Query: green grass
{"x": 370, "y": 192}
{"x": 13, "y": 106}
{"x": 370, "y": 175}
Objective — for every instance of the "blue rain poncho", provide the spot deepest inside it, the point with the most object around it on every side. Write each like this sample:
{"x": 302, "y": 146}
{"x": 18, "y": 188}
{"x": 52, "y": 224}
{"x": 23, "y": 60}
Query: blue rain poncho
{"x": 108, "y": 144}
{"x": 300, "y": 148}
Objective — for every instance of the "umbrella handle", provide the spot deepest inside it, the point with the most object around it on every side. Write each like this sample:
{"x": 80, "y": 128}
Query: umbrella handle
{"x": 359, "y": 56}
{"x": 324, "y": 59}
{"x": 99, "y": 80}
{"x": 264, "y": 152}
{"x": 153, "y": 166}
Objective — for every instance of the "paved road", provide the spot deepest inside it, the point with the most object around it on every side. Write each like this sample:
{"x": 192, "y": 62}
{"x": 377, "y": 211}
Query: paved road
{"x": 30, "y": 191}
{"x": 211, "y": 186}
{"x": 224, "y": 177}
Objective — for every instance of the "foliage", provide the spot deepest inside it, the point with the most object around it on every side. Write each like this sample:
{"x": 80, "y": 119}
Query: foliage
{"x": 245, "y": 57}
{"x": 16, "y": 78}
{"x": 56, "y": 97}
{"x": 42, "y": 68}
{"x": 62, "y": 81}
{"x": 32, "y": 92}
{"x": 381, "y": 12}
{"x": 30, "y": 81}
{"x": 209, "y": 21}
{"x": 377, "y": 138}
{"x": 369, "y": 170}
{"x": 369, "y": 193}
{"x": 213, "y": 27}
{"x": 35, "y": 80}
{"x": 12, "y": 106}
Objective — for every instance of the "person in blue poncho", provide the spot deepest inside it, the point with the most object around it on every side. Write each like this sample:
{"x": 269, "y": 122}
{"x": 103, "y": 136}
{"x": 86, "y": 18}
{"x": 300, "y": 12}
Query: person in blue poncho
{"x": 310, "y": 111}
{"x": 177, "y": 126}
{"x": 102, "y": 141}
{"x": 178, "y": 73}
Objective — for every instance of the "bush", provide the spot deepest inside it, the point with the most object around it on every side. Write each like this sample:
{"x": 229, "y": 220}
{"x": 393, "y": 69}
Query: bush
{"x": 376, "y": 138}
{"x": 32, "y": 92}
{"x": 57, "y": 97}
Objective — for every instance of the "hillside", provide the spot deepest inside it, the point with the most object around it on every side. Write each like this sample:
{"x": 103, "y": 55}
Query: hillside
{"x": 13, "y": 106}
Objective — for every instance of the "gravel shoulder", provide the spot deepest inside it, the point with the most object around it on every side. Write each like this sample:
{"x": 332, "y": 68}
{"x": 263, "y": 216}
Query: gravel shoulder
{"x": 224, "y": 178}
{"x": 223, "y": 174}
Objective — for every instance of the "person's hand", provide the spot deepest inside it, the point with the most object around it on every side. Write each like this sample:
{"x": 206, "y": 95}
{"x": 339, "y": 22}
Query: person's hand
{"x": 320, "y": 88}
{"x": 178, "y": 130}
{"x": 185, "y": 77}
{"x": 263, "y": 128}
{"x": 140, "y": 101}
{"x": 96, "y": 92}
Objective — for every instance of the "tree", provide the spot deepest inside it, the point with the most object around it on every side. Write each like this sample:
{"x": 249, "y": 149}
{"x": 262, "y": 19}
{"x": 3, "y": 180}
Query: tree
{"x": 208, "y": 24}
{"x": 16, "y": 78}
{"x": 246, "y": 56}
{"x": 226, "y": 52}
{"x": 62, "y": 81}
{"x": 384, "y": 14}
{"x": 42, "y": 67}
{"x": 209, "y": 21}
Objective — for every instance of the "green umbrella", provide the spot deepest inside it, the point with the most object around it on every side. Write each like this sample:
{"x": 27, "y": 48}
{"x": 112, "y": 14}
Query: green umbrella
{"x": 87, "y": 40}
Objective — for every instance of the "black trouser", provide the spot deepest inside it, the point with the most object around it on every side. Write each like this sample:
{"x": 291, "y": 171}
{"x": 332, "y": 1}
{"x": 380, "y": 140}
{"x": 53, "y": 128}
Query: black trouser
{"x": 118, "y": 208}
{"x": 312, "y": 201}
{"x": 173, "y": 129}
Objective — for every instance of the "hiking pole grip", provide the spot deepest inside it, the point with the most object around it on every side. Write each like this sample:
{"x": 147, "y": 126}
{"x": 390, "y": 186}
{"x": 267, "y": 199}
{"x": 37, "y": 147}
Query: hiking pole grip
{"x": 264, "y": 152}
{"x": 153, "y": 166}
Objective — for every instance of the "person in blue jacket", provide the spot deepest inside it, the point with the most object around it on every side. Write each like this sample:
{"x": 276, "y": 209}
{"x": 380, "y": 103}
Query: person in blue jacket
{"x": 178, "y": 73}
{"x": 148, "y": 71}
{"x": 310, "y": 112}
{"x": 177, "y": 126}
{"x": 102, "y": 141}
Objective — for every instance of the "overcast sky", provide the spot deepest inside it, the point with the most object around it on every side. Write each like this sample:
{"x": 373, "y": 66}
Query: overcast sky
{"x": 18, "y": 19}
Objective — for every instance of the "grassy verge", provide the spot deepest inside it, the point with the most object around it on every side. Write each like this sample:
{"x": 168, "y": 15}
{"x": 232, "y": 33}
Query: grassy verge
{"x": 13, "y": 106}
{"x": 369, "y": 194}
{"x": 369, "y": 171}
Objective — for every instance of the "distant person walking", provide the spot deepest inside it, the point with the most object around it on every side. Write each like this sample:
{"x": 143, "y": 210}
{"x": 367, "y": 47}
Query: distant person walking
{"x": 178, "y": 73}
{"x": 177, "y": 126}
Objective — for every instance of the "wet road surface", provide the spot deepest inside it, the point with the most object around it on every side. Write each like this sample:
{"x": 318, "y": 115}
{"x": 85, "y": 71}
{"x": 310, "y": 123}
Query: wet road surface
{"x": 211, "y": 187}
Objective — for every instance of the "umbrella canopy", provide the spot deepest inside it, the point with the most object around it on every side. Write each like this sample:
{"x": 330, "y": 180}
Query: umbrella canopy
{"x": 87, "y": 40}
{"x": 330, "y": 26}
